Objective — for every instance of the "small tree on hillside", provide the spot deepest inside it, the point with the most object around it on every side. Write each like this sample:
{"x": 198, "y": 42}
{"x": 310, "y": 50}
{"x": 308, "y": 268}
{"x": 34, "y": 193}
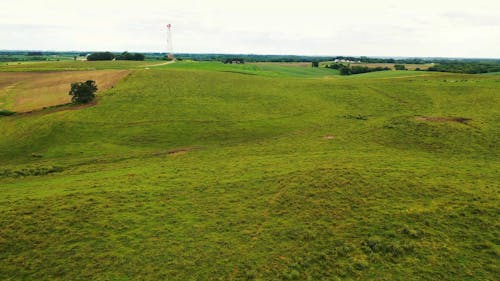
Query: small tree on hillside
{"x": 83, "y": 92}
{"x": 399, "y": 67}
{"x": 315, "y": 64}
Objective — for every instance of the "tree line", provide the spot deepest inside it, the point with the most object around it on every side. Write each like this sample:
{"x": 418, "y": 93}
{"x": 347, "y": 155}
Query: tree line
{"x": 102, "y": 56}
{"x": 357, "y": 69}
{"x": 466, "y": 67}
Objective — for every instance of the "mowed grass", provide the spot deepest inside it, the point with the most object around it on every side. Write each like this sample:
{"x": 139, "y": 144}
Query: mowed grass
{"x": 26, "y": 91}
{"x": 260, "y": 69}
{"x": 183, "y": 174}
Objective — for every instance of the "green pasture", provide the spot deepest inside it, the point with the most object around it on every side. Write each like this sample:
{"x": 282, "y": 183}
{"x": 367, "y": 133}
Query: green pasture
{"x": 206, "y": 171}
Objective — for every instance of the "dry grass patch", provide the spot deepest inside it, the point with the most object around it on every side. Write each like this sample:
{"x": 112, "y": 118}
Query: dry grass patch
{"x": 27, "y": 91}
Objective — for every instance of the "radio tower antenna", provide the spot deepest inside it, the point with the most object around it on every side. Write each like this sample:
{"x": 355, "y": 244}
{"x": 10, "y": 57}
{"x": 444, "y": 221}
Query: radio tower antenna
{"x": 170, "y": 48}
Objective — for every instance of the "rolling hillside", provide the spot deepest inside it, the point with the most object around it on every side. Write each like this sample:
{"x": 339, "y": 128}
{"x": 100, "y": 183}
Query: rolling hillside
{"x": 200, "y": 171}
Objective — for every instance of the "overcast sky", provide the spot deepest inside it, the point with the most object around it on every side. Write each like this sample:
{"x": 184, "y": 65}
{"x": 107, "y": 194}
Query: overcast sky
{"x": 440, "y": 28}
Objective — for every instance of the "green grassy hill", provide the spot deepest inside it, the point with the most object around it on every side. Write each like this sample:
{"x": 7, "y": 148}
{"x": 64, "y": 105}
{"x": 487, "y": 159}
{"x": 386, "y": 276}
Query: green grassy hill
{"x": 192, "y": 171}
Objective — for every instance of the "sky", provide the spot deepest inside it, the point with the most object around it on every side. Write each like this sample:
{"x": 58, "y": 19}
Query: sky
{"x": 416, "y": 28}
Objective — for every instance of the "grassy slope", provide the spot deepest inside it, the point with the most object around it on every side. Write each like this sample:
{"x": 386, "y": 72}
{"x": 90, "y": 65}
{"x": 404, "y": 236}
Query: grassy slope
{"x": 260, "y": 193}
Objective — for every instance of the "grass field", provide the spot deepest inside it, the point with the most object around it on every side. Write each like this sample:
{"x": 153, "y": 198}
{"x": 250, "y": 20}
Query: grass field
{"x": 260, "y": 69}
{"x": 200, "y": 171}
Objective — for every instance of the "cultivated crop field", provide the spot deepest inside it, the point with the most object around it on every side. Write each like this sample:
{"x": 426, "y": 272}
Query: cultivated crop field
{"x": 27, "y": 91}
{"x": 40, "y": 66}
{"x": 206, "y": 171}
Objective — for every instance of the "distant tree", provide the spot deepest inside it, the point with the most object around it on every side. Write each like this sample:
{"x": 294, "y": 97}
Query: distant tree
{"x": 358, "y": 69}
{"x": 399, "y": 67}
{"x": 335, "y": 66}
{"x": 345, "y": 70}
{"x": 35, "y": 54}
{"x": 466, "y": 67}
{"x": 234, "y": 60}
{"x": 131, "y": 56}
{"x": 101, "y": 56}
{"x": 83, "y": 92}
{"x": 315, "y": 64}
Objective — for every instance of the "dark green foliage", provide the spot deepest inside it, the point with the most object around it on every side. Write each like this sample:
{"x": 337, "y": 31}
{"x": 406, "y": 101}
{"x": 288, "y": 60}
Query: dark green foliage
{"x": 344, "y": 70}
{"x": 25, "y": 172}
{"x": 5, "y": 112}
{"x": 131, "y": 56}
{"x": 101, "y": 56}
{"x": 357, "y": 117}
{"x": 315, "y": 64}
{"x": 83, "y": 92}
{"x": 335, "y": 66}
{"x": 357, "y": 69}
{"x": 234, "y": 60}
{"x": 399, "y": 67}
{"x": 466, "y": 67}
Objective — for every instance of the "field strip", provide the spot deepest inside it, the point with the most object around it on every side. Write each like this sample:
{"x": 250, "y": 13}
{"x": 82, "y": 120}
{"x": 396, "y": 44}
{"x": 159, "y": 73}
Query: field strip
{"x": 159, "y": 64}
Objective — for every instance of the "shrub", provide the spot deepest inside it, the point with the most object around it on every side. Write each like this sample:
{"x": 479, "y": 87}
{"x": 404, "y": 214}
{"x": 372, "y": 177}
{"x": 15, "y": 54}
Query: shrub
{"x": 399, "y": 67}
{"x": 25, "y": 172}
{"x": 345, "y": 70}
{"x": 83, "y": 92}
{"x": 335, "y": 66}
{"x": 5, "y": 112}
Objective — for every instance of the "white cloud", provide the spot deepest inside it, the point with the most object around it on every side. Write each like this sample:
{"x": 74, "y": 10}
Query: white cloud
{"x": 314, "y": 27}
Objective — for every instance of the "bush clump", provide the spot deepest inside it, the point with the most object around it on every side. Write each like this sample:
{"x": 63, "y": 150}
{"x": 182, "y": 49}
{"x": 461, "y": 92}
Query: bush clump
{"x": 400, "y": 67}
{"x": 83, "y": 92}
{"x": 5, "y": 112}
{"x": 40, "y": 171}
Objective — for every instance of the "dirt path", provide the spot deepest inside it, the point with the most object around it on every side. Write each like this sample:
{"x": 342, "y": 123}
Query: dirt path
{"x": 159, "y": 64}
